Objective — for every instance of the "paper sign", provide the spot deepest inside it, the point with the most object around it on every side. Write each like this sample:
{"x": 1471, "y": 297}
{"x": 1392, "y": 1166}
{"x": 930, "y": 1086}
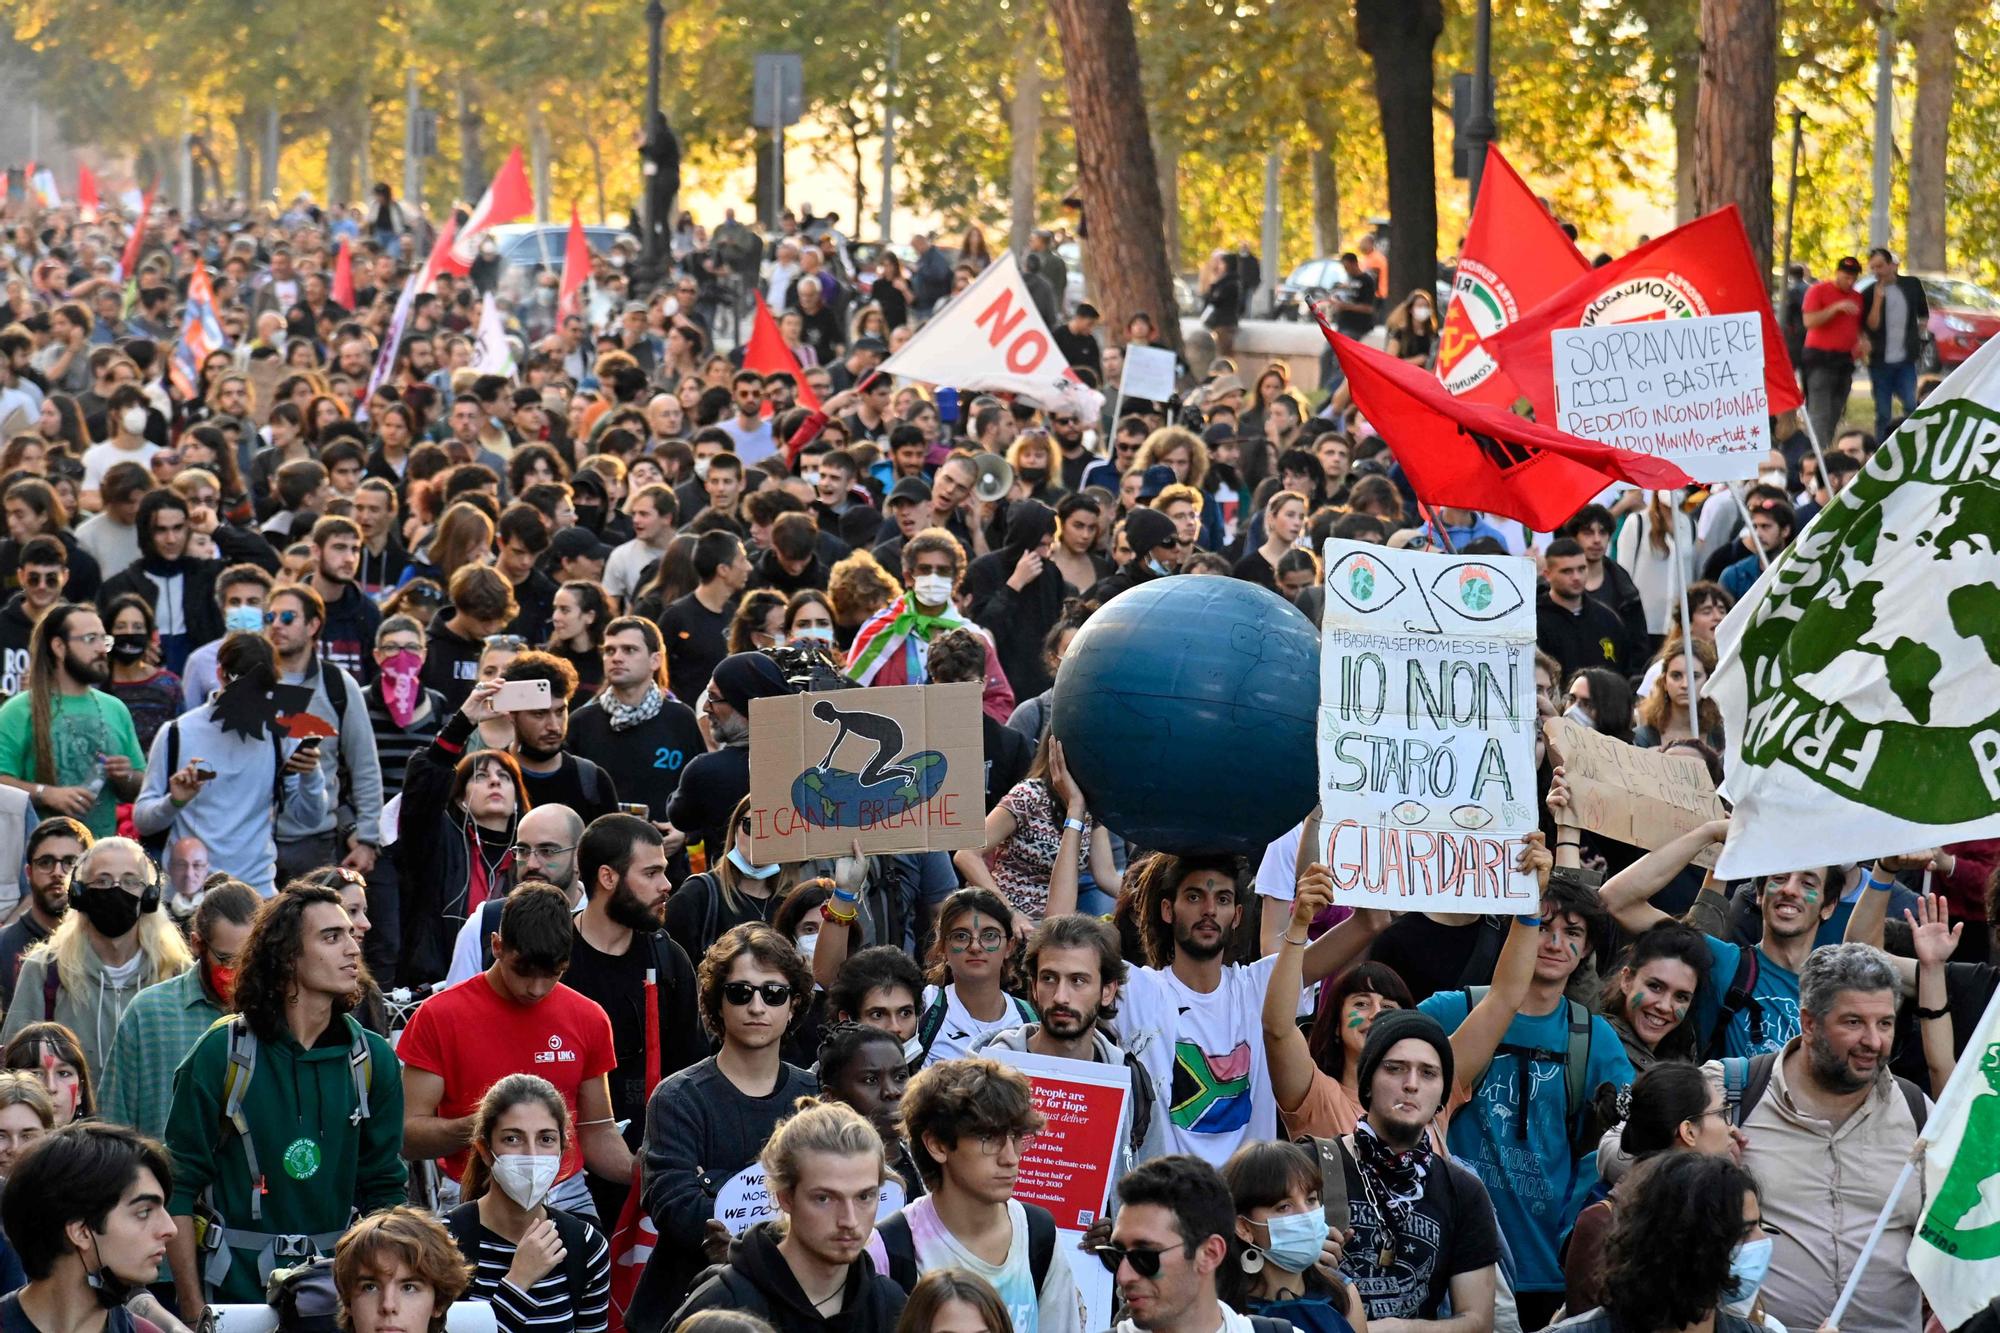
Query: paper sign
{"x": 745, "y": 1200}
{"x": 264, "y": 374}
{"x": 1645, "y": 798}
{"x": 1689, "y": 390}
{"x": 1070, "y": 1169}
{"x": 1149, "y": 373}
{"x": 1426, "y": 729}
{"x": 900, "y": 767}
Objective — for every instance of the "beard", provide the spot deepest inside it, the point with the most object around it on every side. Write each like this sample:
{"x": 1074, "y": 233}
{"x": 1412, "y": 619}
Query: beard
{"x": 1188, "y": 946}
{"x": 731, "y": 730}
{"x": 534, "y": 752}
{"x": 94, "y": 674}
{"x": 626, "y": 909}
{"x": 1833, "y": 1071}
{"x": 1070, "y": 1025}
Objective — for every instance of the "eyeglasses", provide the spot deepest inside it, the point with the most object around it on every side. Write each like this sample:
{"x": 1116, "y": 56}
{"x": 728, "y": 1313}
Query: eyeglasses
{"x": 990, "y": 1144}
{"x": 404, "y": 646}
{"x": 52, "y": 578}
{"x": 989, "y": 939}
{"x": 132, "y": 884}
{"x": 48, "y": 861}
{"x": 544, "y": 851}
{"x": 87, "y": 640}
{"x": 776, "y": 994}
{"x": 1145, "y": 1260}
{"x": 280, "y": 618}
{"x": 514, "y": 641}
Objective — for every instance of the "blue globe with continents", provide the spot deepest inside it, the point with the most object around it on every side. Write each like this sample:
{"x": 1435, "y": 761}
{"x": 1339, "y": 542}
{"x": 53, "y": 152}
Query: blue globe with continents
{"x": 1186, "y": 709}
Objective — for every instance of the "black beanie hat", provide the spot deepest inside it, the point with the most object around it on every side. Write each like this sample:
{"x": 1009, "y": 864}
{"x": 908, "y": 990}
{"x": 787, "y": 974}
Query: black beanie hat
{"x": 1394, "y": 1025}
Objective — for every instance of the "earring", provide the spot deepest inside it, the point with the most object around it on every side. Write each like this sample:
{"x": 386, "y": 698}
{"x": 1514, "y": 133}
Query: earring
{"x": 1252, "y": 1261}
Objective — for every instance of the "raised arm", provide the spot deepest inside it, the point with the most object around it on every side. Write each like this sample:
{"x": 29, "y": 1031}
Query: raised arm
{"x": 1871, "y": 909}
{"x": 1935, "y": 939}
{"x": 1067, "y": 796}
{"x": 1286, "y": 1050}
{"x": 836, "y": 937}
{"x": 1627, "y": 895}
{"x": 1478, "y": 1037}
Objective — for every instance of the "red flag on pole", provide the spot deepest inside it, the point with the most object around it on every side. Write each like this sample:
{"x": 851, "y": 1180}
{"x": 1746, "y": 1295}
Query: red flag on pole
{"x": 1473, "y": 456}
{"x": 129, "y": 262}
{"x": 509, "y": 197}
{"x": 1704, "y": 268}
{"x": 440, "y": 258}
{"x": 767, "y": 354}
{"x": 343, "y": 275}
{"x": 576, "y": 268}
{"x": 1515, "y": 257}
{"x": 633, "y": 1238}
{"x": 86, "y": 191}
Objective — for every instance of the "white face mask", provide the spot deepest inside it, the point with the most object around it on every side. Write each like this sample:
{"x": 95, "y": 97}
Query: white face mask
{"x": 913, "y": 1049}
{"x": 932, "y": 589}
{"x": 813, "y": 634}
{"x": 811, "y": 478}
{"x": 526, "y": 1178}
{"x": 1421, "y": 313}
{"x": 1774, "y": 477}
{"x": 133, "y": 419}
{"x": 701, "y": 468}
{"x": 806, "y": 944}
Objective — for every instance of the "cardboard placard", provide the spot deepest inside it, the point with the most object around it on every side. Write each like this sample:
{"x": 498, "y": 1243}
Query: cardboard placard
{"x": 1689, "y": 390}
{"x": 1426, "y": 729}
{"x": 901, "y": 767}
{"x": 1069, "y": 1170}
{"x": 264, "y": 374}
{"x": 1641, "y": 797}
{"x": 1149, "y": 373}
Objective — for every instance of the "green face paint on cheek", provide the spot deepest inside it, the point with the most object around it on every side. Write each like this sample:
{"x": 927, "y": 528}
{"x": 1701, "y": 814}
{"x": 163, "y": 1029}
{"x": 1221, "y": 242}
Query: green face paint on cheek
{"x": 1575, "y": 949}
{"x": 1357, "y": 1019}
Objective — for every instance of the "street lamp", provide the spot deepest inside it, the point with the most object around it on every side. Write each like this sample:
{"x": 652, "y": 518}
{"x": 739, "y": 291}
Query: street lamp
{"x": 653, "y": 130}
{"x": 1480, "y": 130}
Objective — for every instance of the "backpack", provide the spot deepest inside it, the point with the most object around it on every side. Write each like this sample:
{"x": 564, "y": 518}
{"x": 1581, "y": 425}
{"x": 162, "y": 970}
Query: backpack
{"x": 573, "y": 1231}
{"x": 156, "y": 843}
{"x": 932, "y": 1023}
{"x": 1740, "y": 996}
{"x": 305, "y": 1298}
{"x": 1744, "y": 1079}
{"x": 1584, "y": 1132}
{"x": 242, "y": 1068}
{"x": 901, "y": 1247}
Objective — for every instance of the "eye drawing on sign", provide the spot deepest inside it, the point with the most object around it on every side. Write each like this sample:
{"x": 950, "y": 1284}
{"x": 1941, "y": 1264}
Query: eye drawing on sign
{"x": 888, "y": 783}
{"x": 1471, "y": 590}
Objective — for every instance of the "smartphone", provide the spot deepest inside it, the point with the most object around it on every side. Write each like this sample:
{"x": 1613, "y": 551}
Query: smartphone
{"x": 521, "y": 696}
{"x": 310, "y": 744}
{"x": 635, "y": 808}
{"x": 202, "y": 772}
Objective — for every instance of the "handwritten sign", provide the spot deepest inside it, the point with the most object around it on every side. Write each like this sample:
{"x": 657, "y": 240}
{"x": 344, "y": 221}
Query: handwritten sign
{"x": 901, "y": 767}
{"x": 1691, "y": 390}
{"x": 1149, "y": 373}
{"x": 1426, "y": 728}
{"x": 1644, "y": 798}
{"x": 745, "y": 1199}
{"x": 1071, "y": 1168}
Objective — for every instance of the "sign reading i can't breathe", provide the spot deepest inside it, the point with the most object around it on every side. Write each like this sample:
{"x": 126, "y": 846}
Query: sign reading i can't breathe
{"x": 1689, "y": 390}
{"x": 1427, "y": 728}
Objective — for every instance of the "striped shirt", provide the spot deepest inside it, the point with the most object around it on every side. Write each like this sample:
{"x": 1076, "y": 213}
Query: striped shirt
{"x": 393, "y": 744}
{"x": 549, "y": 1306}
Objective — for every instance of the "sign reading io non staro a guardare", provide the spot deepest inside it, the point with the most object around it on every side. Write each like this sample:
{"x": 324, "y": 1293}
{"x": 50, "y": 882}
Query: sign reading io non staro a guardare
{"x": 901, "y": 768}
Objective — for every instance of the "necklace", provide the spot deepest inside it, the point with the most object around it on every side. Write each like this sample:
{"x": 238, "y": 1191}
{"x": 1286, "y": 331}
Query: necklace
{"x": 833, "y": 1295}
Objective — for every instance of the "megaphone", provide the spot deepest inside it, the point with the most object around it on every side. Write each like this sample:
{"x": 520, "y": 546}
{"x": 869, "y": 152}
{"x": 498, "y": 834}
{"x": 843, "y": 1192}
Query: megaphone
{"x": 995, "y": 477}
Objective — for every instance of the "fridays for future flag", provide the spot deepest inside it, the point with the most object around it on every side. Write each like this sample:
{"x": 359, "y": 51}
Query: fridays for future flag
{"x": 1955, "y": 1255}
{"x": 992, "y": 338}
{"x": 493, "y": 354}
{"x": 1859, "y": 680}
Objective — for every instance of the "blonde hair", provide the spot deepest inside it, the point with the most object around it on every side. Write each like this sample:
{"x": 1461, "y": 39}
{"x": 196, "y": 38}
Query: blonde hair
{"x": 1169, "y": 438}
{"x": 18, "y": 1087}
{"x": 828, "y": 1127}
{"x": 161, "y": 944}
{"x": 855, "y": 581}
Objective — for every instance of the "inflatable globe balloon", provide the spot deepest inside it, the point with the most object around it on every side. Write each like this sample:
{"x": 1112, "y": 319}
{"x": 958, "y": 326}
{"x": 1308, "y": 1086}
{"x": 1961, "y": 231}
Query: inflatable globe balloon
{"x": 1186, "y": 708}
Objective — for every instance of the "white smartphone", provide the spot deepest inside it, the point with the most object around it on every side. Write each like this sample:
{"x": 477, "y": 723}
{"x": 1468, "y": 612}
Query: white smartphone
{"x": 521, "y": 696}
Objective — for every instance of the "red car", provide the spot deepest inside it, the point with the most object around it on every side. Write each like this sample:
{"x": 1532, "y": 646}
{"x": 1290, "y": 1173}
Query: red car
{"x": 1963, "y": 316}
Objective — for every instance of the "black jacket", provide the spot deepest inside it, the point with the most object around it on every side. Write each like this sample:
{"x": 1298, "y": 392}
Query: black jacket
{"x": 432, "y": 856}
{"x": 233, "y": 545}
{"x": 758, "y": 1281}
{"x": 1129, "y": 575}
{"x": 769, "y": 573}
{"x": 1018, "y": 620}
{"x": 1914, "y": 328}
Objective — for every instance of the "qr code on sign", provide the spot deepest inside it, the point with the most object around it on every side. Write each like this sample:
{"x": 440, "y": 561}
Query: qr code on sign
{"x": 1085, "y": 1218}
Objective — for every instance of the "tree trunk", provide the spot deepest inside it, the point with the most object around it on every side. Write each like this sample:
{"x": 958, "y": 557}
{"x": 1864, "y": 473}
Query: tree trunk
{"x": 539, "y": 151}
{"x": 269, "y": 149}
{"x": 597, "y": 174}
{"x": 1936, "y": 41}
{"x": 1024, "y": 125}
{"x": 364, "y": 166}
{"x": 1117, "y": 177}
{"x": 1168, "y": 159}
{"x": 1684, "y": 79}
{"x": 246, "y": 140}
{"x": 339, "y": 162}
{"x": 1736, "y": 117}
{"x": 471, "y": 147}
{"x": 1398, "y": 37}
{"x": 1325, "y": 178}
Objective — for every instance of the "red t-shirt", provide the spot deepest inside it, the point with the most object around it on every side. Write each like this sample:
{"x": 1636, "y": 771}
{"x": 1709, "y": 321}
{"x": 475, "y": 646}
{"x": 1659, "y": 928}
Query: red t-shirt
{"x": 1840, "y": 333}
{"x": 472, "y": 1037}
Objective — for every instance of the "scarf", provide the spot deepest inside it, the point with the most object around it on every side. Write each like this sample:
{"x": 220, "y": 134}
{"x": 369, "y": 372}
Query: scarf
{"x": 1398, "y": 1177}
{"x": 624, "y": 717}
{"x": 895, "y": 625}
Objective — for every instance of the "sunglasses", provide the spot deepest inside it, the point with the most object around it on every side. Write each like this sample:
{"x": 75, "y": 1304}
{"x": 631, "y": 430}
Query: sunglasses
{"x": 45, "y": 579}
{"x": 514, "y": 641}
{"x": 1145, "y": 1261}
{"x": 776, "y": 994}
{"x": 280, "y": 617}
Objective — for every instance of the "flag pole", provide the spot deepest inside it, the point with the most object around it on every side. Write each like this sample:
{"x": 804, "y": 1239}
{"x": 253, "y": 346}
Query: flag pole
{"x": 1812, "y": 438}
{"x": 1763, "y": 560}
{"x": 1917, "y": 1150}
{"x": 1683, "y": 578}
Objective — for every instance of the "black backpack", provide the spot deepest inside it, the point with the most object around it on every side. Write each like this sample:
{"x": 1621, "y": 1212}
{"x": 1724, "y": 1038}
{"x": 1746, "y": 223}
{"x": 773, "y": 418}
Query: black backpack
{"x": 305, "y": 1298}
{"x": 901, "y": 1247}
{"x": 1744, "y": 1079}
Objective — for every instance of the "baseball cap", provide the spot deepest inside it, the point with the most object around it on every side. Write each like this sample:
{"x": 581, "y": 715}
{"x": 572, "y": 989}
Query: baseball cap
{"x": 1158, "y": 477}
{"x": 570, "y": 543}
{"x": 1848, "y": 264}
{"x": 909, "y": 488}
{"x": 869, "y": 343}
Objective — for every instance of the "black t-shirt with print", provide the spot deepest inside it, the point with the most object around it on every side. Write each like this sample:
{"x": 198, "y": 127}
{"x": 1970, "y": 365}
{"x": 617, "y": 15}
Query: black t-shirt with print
{"x": 1451, "y": 1231}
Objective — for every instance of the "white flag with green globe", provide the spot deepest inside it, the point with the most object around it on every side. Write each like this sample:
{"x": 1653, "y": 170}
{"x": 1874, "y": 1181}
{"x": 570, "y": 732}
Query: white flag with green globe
{"x": 1955, "y": 1255}
{"x": 1859, "y": 680}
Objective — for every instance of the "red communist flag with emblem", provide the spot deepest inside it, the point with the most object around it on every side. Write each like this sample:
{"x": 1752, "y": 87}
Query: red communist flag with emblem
{"x": 1515, "y": 257}
{"x": 1472, "y": 455}
{"x": 767, "y": 354}
{"x": 1704, "y": 268}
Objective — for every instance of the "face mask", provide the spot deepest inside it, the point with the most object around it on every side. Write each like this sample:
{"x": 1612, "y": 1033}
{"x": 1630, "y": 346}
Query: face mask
{"x": 128, "y": 647}
{"x": 1033, "y": 474}
{"x": 1420, "y": 312}
{"x": 806, "y": 944}
{"x": 401, "y": 688}
{"x": 811, "y": 478}
{"x": 111, "y": 1290}
{"x": 590, "y": 516}
{"x": 112, "y": 911}
{"x": 932, "y": 589}
{"x": 222, "y": 980}
{"x": 1581, "y": 716}
{"x": 813, "y": 634}
{"x": 913, "y": 1050}
{"x": 751, "y": 868}
{"x": 525, "y": 1178}
{"x": 243, "y": 620}
{"x": 1748, "y": 1263}
{"x": 1772, "y": 478}
{"x": 1296, "y": 1240}
{"x": 133, "y": 419}
{"x": 701, "y": 468}
{"x": 1156, "y": 567}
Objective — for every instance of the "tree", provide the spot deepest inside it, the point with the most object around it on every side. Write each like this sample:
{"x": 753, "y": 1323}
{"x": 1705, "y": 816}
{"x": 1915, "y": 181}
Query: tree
{"x": 1116, "y": 174}
{"x": 1736, "y": 114}
{"x": 1399, "y": 36}
{"x": 1935, "y": 36}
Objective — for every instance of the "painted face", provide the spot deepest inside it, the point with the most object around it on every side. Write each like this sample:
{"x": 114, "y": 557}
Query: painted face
{"x": 1657, "y": 998}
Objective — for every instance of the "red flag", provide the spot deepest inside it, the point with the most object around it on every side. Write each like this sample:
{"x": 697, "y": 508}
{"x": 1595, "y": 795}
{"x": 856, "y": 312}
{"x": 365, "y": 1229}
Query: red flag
{"x": 633, "y": 1238}
{"x": 1474, "y": 456}
{"x": 343, "y": 275}
{"x": 576, "y": 268}
{"x": 507, "y": 198}
{"x": 767, "y": 354}
{"x": 129, "y": 262}
{"x": 1515, "y": 257}
{"x": 86, "y": 190}
{"x": 440, "y": 260}
{"x": 1704, "y": 268}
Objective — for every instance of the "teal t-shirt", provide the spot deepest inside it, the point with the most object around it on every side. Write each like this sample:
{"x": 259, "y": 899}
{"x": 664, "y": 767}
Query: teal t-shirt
{"x": 81, "y": 727}
{"x": 1536, "y": 1187}
{"x": 1776, "y": 994}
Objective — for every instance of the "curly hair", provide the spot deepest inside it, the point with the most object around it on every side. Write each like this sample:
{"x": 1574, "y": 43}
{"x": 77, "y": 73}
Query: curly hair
{"x": 858, "y": 586}
{"x": 375, "y": 1244}
{"x": 1157, "y": 879}
{"x": 971, "y": 1095}
{"x": 270, "y": 959}
{"x": 763, "y": 945}
{"x": 1671, "y": 941}
{"x": 1666, "y": 1261}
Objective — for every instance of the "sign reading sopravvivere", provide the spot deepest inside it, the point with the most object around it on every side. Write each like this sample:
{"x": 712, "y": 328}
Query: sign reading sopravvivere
{"x": 1427, "y": 728}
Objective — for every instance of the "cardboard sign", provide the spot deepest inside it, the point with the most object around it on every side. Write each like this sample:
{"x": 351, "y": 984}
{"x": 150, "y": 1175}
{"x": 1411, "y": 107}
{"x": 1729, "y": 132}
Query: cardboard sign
{"x": 1426, "y": 729}
{"x": 1689, "y": 390}
{"x": 1070, "y": 1169}
{"x": 745, "y": 1200}
{"x": 1641, "y": 797}
{"x": 1149, "y": 373}
{"x": 264, "y": 374}
{"x": 900, "y": 767}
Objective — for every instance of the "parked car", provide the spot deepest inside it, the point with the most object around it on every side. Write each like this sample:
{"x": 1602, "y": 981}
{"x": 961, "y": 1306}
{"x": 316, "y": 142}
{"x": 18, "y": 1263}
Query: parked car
{"x": 1963, "y": 316}
{"x": 1309, "y": 282}
{"x": 526, "y": 248}
{"x": 1187, "y": 300}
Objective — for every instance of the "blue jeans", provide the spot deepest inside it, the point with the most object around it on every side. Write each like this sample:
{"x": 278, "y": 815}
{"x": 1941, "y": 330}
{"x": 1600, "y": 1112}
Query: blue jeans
{"x": 1892, "y": 380}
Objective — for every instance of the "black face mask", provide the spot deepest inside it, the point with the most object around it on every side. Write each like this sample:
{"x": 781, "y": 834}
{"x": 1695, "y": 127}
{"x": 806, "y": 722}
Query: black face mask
{"x": 128, "y": 647}
{"x": 590, "y": 516}
{"x": 112, "y": 911}
{"x": 1034, "y": 474}
{"x": 111, "y": 1290}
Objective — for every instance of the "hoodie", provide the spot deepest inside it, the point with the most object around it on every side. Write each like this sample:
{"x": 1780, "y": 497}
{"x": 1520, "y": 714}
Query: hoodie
{"x": 16, "y": 629}
{"x": 1019, "y": 619}
{"x": 758, "y": 1281}
{"x": 92, "y": 1014}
